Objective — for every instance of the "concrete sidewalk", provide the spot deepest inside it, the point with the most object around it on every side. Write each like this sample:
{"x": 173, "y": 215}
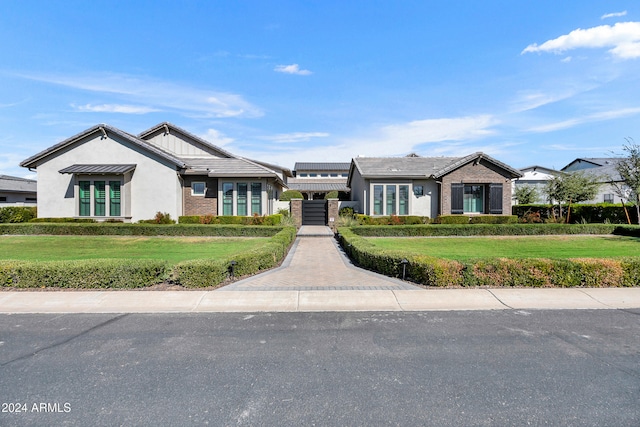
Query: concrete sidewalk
{"x": 310, "y": 301}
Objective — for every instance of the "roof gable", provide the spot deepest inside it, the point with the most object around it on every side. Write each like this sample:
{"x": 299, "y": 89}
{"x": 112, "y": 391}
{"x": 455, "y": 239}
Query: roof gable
{"x": 172, "y": 138}
{"x": 104, "y": 130}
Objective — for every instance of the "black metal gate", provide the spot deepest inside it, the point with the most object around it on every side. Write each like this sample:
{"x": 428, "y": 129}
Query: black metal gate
{"x": 314, "y": 212}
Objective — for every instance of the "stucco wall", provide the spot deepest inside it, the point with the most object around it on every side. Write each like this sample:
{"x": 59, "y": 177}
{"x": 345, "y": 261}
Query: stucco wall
{"x": 154, "y": 184}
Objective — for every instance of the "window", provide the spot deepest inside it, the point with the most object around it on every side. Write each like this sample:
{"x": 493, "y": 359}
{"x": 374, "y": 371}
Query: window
{"x": 345, "y": 175}
{"x": 198, "y": 188}
{"x": 242, "y": 198}
{"x": 334, "y": 175}
{"x": 313, "y": 175}
{"x": 99, "y": 198}
{"x": 608, "y": 198}
{"x": 85, "y": 198}
{"x": 324, "y": 175}
{"x": 303, "y": 175}
{"x": 403, "y": 200}
{"x": 4, "y": 199}
{"x": 227, "y": 198}
{"x": 391, "y": 200}
{"x": 256, "y": 198}
{"x": 473, "y": 198}
{"x": 114, "y": 198}
{"x": 377, "y": 199}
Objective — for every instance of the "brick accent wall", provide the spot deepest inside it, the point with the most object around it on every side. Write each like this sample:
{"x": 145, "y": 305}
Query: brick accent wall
{"x": 482, "y": 172}
{"x": 200, "y": 205}
{"x": 332, "y": 213}
{"x": 296, "y": 211}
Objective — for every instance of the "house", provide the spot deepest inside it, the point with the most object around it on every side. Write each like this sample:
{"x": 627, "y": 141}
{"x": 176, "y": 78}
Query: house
{"x": 17, "y": 191}
{"x": 604, "y": 171}
{"x": 316, "y": 180}
{"x": 431, "y": 186}
{"x": 535, "y": 177}
{"x": 106, "y": 173}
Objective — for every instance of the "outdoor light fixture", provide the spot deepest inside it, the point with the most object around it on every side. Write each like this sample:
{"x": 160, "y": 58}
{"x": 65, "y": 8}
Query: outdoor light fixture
{"x": 232, "y": 267}
{"x": 404, "y": 263}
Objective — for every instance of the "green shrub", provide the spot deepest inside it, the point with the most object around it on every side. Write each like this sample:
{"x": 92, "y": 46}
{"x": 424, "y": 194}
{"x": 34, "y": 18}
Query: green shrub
{"x": 580, "y": 213}
{"x": 494, "y": 219}
{"x": 200, "y": 273}
{"x": 347, "y": 211}
{"x": 106, "y": 229}
{"x": 275, "y": 219}
{"x": 482, "y": 230}
{"x": 290, "y": 194}
{"x": 160, "y": 218}
{"x": 629, "y": 230}
{"x": 66, "y": 220}
{"x": 95, "y": 273}
{"x": 14, "y": 214}
{"x": 452, "y": 219}
{"x": 331, "y": 195}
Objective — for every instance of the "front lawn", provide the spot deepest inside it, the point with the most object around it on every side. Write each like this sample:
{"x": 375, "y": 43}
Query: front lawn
{"x": 170, "y": 249}
{"x": 553, "y": 247}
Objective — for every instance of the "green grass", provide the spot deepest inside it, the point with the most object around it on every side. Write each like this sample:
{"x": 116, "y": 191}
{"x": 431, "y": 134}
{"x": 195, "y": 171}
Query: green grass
{"x": 555, "y": 247}
{"x": 171, "y": 249}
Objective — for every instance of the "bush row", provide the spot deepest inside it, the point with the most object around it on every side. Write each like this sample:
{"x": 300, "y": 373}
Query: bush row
{"x": 119, "y": 273}
{"x": 432, "y": 271}
{"x": 600, "y": 212}
{"x": 119, "y": 229}
{"x": 483, "y": 230}
{"x": 477, "y": 219}
{"x": 15, "y": 214}
{"x": 274, "y": 219}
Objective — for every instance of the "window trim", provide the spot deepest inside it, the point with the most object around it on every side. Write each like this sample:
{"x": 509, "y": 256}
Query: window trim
{"x": 198, "y": 193}
{"x": 381, "y": 200}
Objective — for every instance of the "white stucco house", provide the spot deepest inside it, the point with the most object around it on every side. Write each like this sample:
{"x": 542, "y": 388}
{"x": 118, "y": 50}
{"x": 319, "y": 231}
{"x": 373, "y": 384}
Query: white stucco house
{"x": 535, "y": 177}
{"x": 431, "y": 186}
{"x": 106, "y": 173}
{"x": 16, "y": 191}
{"x": 604, "y": 171}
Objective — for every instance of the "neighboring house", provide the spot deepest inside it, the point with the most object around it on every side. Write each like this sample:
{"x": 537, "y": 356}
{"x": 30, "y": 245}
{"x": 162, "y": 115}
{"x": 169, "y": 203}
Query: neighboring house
{"x": 535, "y": 177}
{"x": 106, "y": 173}
{"x": 431, "y": 186}
{"x": 17, "y": 191}
{"x": 315, "y": 180}
{"x": 604, "y": 170}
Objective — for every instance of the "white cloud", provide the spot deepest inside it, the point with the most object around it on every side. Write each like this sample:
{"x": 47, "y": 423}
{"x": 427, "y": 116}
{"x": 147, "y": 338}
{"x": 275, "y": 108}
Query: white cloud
{"x": 601, "y": 116}
{"x": 623, "y": 38}
{"x": 157, "y": 94}
{"x": 292, "y": 69}
{"x": 114, "y": 108}
{"x": 614, "y": 15}
{"x": 286, "y": 138}
{"x": 217, "y": 138}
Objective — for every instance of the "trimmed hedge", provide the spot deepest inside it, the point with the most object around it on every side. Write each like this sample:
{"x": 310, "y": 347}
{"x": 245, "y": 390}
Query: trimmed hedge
{"x": 628, "y": 230}
{"x": 126, "y": 273}
{"x": 204, "y": 273}
{"x": 391, "y": 220}
{"x": 274, "y": 219}
{"x": 500, "y": 272}
{"x": 600, "y": 212}
{"x": 287, "y": 195}
{"x": 482, "y": 230}
{"x": 95, "y": 273}
{"x": 119, "y": 229}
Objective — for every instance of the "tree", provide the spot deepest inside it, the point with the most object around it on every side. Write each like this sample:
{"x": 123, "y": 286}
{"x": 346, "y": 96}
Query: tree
{"x": 571, "y": 188}
{"x": 629, "y": 170}
{"x": 526, "y": 194}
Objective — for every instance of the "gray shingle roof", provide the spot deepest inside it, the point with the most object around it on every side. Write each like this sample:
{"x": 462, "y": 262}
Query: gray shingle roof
{"x": 98, "y": 169}
{"x": 604, "y": 168}
{"x": 17, "y": 185}
{"x": 32, "y": 162}
{"x": 421, "y": 167}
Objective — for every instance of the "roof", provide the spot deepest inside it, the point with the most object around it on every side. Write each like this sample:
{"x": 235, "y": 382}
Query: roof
{"x": 236, "y": 167}
{"x": 301, "y": 166}
{"x": 540, "y": 168}
{"x": 317, "y": 185}
{"x": 166, "y": 126}
{"x": 98, "y": 169}
{"x": 17, "y": 185}
{"x": 421, "y": 167}
{"x": 600, "y": 167}
{"x": 32, "y": 162}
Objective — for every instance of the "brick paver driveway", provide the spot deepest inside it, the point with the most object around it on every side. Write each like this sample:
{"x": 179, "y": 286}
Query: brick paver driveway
{"x": 317, "y": 263}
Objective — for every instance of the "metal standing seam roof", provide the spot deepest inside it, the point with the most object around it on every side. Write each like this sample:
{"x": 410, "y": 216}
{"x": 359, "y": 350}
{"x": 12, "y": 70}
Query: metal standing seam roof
{"x": 320, "y": 186}
{"x": 98, "y": 169}
{"x": 17, "y": 185}
{"x": 327, "y": 166}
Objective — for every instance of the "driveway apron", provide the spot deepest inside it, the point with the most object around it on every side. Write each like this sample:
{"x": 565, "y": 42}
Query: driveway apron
{"x": 316, "y": 262}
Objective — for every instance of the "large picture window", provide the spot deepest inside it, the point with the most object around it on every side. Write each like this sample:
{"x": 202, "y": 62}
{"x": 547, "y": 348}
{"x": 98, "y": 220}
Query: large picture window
{"x": 241, "y": 198}
{"x": 391, "y": 199}
{"x": 473, "y": 198}
{"x": 95, "y": 196}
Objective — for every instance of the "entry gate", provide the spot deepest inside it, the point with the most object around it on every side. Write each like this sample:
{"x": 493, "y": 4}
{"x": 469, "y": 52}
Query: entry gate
{"x": 314, "y": 212}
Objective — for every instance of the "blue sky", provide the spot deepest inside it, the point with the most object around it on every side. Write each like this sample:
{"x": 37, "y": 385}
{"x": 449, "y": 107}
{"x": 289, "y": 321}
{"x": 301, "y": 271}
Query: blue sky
{"x": 528, "y": 82}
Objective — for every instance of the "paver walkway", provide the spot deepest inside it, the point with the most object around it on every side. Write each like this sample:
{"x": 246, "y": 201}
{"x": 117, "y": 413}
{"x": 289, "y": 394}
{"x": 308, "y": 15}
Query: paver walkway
{"x": 316, "y": 262}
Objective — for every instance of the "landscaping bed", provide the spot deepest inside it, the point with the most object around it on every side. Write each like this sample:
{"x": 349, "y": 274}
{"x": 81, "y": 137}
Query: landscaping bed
{"x": 507, "y": 269}
{"x": 192, "y": 270}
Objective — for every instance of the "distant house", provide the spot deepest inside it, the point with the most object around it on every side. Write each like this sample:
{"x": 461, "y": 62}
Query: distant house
{"x": 535, "y": 177}
{"x": 316, "y": 180}
{"x": 431, "y": 186}
{"x": 106, "y": 173}
{"x": 604, "y": 171}
{"x": 17, "y": 191}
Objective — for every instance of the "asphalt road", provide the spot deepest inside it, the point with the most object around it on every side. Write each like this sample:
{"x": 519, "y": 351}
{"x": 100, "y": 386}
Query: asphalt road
{"x": 488, "y": 368}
